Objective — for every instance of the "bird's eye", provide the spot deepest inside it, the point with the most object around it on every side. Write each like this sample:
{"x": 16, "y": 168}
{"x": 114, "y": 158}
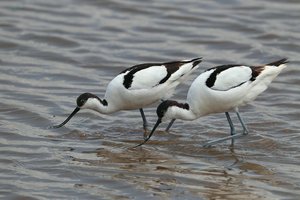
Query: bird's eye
{"x": 81, "y": 102}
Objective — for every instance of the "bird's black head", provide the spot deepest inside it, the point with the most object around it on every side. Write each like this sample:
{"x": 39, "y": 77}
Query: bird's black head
{"x": 87, "y": 100}
{"x": 163, "y": 108}
{"x": 82, "y": 99}
{"x": 164, "y": 112}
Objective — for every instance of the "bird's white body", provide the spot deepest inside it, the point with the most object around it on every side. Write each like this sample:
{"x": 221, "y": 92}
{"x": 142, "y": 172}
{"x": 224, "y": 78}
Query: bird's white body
{"x": 137, "y": 87}
{"x": 220, "y": 89}
{"x": 232, "y": 88}
{"x": 145, "y": 88}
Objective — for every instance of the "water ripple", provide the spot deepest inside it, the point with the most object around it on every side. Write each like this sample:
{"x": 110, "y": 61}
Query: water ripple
{"x": 52, "y": 51}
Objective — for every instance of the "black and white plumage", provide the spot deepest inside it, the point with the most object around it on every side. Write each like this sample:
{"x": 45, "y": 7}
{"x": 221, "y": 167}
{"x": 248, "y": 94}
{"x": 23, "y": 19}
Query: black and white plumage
{"x": 137, "y": 87}
{"x": 221, "y": 89}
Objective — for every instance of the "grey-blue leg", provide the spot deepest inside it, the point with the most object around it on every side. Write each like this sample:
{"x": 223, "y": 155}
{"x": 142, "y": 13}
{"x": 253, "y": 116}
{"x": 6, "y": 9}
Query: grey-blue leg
{"x": 245, "y": 130}
{"x": 233, "y": 134}
{"x": 232, "y": 129}
{"x": 170, "y": 124}
{"x": 145, "y": 123}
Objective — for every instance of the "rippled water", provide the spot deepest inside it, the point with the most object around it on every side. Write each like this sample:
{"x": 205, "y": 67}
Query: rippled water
{"x": 52, "y": 51}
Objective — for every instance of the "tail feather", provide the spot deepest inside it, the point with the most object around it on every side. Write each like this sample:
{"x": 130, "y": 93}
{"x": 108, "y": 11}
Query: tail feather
{"x": 196, "y": 61}
{"x": 185, "y": 69}
{"x": 279, "y": 62}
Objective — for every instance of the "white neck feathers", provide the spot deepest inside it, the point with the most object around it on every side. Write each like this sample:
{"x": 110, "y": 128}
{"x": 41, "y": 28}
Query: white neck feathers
{"x": 98, "y": 105}
{"x": 176, "y": 112}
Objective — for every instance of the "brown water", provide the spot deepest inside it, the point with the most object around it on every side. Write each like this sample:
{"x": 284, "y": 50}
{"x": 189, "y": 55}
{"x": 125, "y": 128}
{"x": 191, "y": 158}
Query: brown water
{"x": 52, "y": 51}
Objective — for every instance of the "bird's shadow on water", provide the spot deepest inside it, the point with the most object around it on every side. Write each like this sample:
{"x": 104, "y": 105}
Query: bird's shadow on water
{"x": 168, "y": 162}
{"x": 76, "y": 134}
{"x": 115, "y": 146}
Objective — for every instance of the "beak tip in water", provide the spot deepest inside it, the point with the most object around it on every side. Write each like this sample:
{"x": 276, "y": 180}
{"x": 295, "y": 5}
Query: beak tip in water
{"x": 62, "y": 124}
{"x": 155, "y": 126}
{"x": 53, "y": 126}
{"x": 49, "y": 127}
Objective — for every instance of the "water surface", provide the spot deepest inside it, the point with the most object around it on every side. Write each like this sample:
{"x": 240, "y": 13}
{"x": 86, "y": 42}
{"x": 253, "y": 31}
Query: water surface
{"x": 52, "y": 51}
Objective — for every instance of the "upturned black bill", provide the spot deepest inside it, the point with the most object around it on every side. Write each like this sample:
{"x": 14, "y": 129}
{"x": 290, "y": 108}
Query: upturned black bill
{"x": 68, "y": 119}
{"x": 155, "y": 126}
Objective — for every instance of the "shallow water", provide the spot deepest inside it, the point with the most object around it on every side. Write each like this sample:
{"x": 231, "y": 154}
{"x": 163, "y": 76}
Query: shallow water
{"x": 52, "y": 51}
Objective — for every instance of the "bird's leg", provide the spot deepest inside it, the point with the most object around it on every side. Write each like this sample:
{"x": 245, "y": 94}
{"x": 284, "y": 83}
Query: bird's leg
{"x": 170, "y": 124}
{"x": 145, "y": 123}
{"x": 232, "y": 129}
{"x": 233, "y": 135}
{"x": 245, "y": 130}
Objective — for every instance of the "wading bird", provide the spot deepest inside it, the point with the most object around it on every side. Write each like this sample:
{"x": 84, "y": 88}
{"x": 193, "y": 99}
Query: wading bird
{"x": 220, "y": 89}
{"x": 137, "y": 87}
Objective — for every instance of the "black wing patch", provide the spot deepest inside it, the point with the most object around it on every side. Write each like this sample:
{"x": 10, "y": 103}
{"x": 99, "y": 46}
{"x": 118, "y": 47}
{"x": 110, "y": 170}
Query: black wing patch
{"x": 213, "y": 76}
{"x": 170, "y": 66}
{"x": 175, "y": 65}
{"x": 256, "y": 71}
{"x": 128, "y": 78}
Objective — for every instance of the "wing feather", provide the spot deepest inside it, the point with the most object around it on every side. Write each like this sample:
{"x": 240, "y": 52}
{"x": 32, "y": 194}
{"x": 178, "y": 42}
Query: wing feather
{"x": 229, "y": 77}
{"x": 146, "y": 76}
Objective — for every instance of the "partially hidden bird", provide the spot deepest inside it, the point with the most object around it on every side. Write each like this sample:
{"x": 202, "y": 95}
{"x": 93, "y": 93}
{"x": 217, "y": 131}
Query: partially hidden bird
{"x": 220, "y": 89}
{"x": 137, "y": 87}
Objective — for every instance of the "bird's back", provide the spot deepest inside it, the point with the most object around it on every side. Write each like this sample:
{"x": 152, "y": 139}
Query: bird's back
{"x": 228, "y": 86}
{"x": 266, "y": 74}
{"x": 147, "y": 83}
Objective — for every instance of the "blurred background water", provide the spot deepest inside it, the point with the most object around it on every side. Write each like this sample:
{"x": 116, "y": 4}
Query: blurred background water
{"x": 52, "y": 51}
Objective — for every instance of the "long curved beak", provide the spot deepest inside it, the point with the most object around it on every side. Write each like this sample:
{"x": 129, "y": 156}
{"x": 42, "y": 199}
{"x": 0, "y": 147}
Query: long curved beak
{"x": 68, "y": 119}
{"x": 155, "y": 126}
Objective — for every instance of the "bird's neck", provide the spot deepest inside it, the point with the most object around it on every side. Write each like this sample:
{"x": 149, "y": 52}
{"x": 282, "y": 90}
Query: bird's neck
{"x": 181, "y": 111}
{"x": 101, "y": 106}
